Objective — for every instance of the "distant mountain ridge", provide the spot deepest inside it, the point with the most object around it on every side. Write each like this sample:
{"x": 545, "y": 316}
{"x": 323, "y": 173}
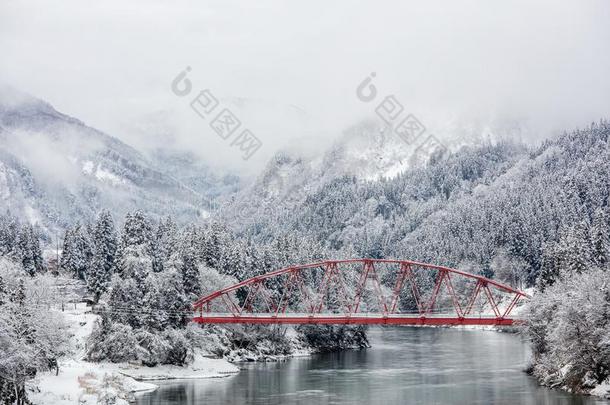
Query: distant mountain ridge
{"x": 54, "y": 170}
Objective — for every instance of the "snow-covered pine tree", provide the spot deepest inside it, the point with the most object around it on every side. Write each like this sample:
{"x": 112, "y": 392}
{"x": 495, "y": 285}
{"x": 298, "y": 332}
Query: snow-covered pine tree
{"x": 36, "y": 249}
{"x": 215, "y": 238}
{"x": 234, "y": 259}
{"x": 28, "y": 246}
{"x": 77, "y": 253}
{"x": 3, "y": 291}
{"x": 166, "y": 242}
{"x": 25, "y": 251}
{"x": 155, "y": 253}
{"x": 174, "y": 301}
{"x": 230, "y": 259}
{"x": 137, "y": 230}
{"x": 549, "y": 269}
{"x": 579, "y": 252}
{"x": 104, "y": 240}
{"x": 154, "y": 315}
{"x": 18, "y": 294}
{"x": 190, "y": 273}
{"x": 135, "y": 258}
{"x": 9, "y": 233}
{"x": 125, "y": 301}
{"x": 66, "y": 251}
{"x": 250, "y": 256}
{"x": 600, "y": 239}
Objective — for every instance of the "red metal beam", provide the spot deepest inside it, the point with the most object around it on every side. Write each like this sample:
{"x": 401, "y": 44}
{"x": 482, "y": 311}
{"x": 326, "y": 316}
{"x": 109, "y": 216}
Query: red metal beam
{"x": 400, "y": 281}
{"x": 352, "y": 320}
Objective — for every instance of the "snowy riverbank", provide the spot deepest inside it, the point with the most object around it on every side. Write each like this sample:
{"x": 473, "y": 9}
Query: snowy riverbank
{"x": 87, "y": 383}
{"x": 82, "y": 382}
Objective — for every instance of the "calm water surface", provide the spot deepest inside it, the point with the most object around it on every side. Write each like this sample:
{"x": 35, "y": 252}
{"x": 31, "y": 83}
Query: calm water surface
{"x": 405, "y": 366}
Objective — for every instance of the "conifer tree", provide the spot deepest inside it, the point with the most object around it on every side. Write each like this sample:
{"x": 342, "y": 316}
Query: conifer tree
{"x": 136, "y": 248}
{"x": 549, "y": 269}
{"x": 600, "y": 239}
{"x": 190, "y": 273}
{"x": 104, "y": 255}
{"x": 77, "y": 252}
{"x": 137, "y": 230}
{"x": 29, "y": 250}
{"x": 579, "y": 248}
{"x": 3, "y": 291}
{"x": 154, "y": 315}
{"x": 36, "y": 249}
{"x": 9, "y": 232}
{"x": 174, "y": 301}
{"x": 66, "y": 252}
{"x": 166, "y": 242}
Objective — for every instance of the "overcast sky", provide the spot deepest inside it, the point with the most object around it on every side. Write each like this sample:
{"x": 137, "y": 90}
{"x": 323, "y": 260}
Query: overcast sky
{"x": 289, "y": 69}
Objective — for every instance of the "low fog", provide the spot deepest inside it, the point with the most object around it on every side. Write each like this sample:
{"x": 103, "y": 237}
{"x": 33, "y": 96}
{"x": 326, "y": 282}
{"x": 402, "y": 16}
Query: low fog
{"x": 289, "y": 70}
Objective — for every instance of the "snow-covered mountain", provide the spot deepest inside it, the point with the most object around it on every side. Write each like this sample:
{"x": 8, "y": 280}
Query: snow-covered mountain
{"x": 54, "y": 169}
{"x": 368, "y": 151}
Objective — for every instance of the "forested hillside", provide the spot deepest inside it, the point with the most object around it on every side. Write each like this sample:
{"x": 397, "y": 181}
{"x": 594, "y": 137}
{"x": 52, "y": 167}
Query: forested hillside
{"x": 532, "y": 217}
{"x": 484, "y": 208}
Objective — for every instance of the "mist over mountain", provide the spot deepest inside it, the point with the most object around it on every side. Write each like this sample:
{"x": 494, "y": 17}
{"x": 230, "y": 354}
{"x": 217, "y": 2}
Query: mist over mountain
{"x": 55, "y": 170}
{"x": 369, "y": 152}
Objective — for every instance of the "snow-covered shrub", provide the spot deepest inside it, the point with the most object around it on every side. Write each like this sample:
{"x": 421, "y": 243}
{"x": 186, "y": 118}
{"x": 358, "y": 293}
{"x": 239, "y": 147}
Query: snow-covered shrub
{"x": 180, "y": 350}
{"x": 135, "y": 262}
{"x": 209, "y": 338}
{"x": 569, "y": 326}
{"x": 174, "y": 303}
{"x": 155, "y": 348}
{"x": 261, "y": 340}
{"x": 333, "y": 337}
{"x": 31, "y": 339}
{"x": 125, "y": 300}
{"x": 212, "y": 280}
{"x": 117, "y": 342}
{"x": 121, "y": 344}
{"x": 114, "y": 342}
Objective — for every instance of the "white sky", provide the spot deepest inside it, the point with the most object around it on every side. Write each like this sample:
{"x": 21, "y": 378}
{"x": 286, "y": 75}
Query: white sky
{"x": 297, "y": 64}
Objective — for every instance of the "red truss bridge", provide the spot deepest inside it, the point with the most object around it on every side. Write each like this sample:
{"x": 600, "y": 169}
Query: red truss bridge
{"x": 363, "y": 291}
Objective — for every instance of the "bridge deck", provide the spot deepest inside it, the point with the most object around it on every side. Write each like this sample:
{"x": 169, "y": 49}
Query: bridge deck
{"x": 356, "y": 319}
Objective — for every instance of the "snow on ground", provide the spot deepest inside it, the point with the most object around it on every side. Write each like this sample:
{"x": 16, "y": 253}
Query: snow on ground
{"x": 602, "y": 390}
{"x": 202, "y": 367}
{"x": 104, "y": 175}
{"x": 82, "y": 382}
{"x": 89, "y": 168}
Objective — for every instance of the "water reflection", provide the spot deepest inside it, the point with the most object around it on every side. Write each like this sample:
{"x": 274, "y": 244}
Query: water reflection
{"x": 405, "y": 366}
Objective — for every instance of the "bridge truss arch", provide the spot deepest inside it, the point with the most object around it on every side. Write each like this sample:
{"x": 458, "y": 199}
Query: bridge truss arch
{"x": 363, "y": 291}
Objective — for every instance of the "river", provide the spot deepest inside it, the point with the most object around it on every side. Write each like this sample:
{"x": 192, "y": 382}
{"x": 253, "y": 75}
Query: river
{"x": 405, "y": 366}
